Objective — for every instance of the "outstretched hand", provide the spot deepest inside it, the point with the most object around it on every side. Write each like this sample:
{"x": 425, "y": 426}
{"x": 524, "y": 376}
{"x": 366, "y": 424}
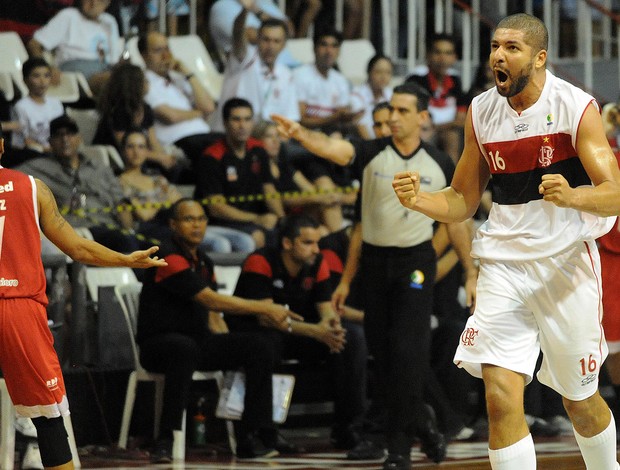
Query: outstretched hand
{"x": 406, "y": 185}
{"x": 286, "y": 127}
{"x": 142, "y": 259}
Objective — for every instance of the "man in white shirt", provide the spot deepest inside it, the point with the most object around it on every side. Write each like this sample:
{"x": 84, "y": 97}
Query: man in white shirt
{"x": 180, "y": 103}
{"x": 324, "y": 94}
{"x": 84, "y": 39}
{"x": 253, "y": 74}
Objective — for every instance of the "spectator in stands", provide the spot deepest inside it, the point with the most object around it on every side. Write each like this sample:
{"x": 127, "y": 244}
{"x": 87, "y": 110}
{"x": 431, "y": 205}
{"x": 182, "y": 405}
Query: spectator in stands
{"x": 234, "y": 174}
{"x": 224, "y": 12}
{"x": 376, "y": 90}
{"x": 324, "y": 94}
{"x": 86, "y": 189}
{"x": 296, "y": 274}
{"x": 381, "y": 120}
{"x": 253, "y": 73}
{"x": 122, "y": 107}
{"x": 84, "y": 39}
{"x": 34, "y": 112}
{"x": 151, "y": 196}
{"x": 181, "y": 104}
{"x": 299, "y": 194}
{"x": 448, "y": 105}
{"x": 178, "y": 344}
{"x": 325, "y": 103}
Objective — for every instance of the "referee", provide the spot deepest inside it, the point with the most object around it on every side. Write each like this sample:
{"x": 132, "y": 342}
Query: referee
{"x": 397, "y": 262}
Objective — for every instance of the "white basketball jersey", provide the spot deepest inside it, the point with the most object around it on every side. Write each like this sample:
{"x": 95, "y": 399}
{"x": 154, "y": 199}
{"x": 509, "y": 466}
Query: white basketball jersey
{"x": 519, "y": 149}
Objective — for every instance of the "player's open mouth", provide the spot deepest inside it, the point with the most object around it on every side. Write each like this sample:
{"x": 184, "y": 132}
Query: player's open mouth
{"x": 501, "y": 77}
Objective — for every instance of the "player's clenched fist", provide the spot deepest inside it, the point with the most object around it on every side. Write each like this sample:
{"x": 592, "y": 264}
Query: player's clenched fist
{"x": 406, "y": 186}
{"x": 555, "y": 189}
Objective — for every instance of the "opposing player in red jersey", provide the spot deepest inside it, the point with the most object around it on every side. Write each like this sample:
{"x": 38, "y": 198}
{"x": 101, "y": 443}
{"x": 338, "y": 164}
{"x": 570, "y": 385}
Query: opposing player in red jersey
{"x": 556, "y": 184}
{"x": 28, "y": 360}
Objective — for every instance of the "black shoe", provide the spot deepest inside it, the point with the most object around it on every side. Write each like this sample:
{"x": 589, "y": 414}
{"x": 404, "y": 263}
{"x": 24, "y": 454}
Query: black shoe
{"x": 251, "y": 447}
{"x": 344, "y": 438}
{"x": 433, "y": 442}
{"x": 162, "y": 452}
{"x": 397, "y": 462}
{"x": 366, "y": 450}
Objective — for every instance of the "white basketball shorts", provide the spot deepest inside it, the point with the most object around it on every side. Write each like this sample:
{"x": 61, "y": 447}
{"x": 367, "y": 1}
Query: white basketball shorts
{"x": 551, "y": 304}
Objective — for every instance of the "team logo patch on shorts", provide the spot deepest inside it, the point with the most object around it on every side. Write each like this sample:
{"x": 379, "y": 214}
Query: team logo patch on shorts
{"x": 468, "y": 336}
{"x": 416, "y": 279}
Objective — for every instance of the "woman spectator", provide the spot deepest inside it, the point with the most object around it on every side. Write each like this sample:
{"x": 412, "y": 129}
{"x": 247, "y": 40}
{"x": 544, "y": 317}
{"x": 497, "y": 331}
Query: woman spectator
{"x": 149, "y": 194}
{"x": 122, "y": 107}
{"x": 376, "y": 90}
{"x": 298, "y": 193}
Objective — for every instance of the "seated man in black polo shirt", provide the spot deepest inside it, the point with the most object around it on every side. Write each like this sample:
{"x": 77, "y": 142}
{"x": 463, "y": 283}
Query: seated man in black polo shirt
{"x": 296, "y": 274}
{"x": 174, "y": 339}
{"x": 235, "y": 176}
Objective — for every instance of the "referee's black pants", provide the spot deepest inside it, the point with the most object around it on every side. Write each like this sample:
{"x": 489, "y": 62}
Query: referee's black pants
{"x": 398, "y": 294}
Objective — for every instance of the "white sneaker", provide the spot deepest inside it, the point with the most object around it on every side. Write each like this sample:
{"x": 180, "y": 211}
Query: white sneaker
{"x": 24, "y": 426}
{"x": 32, "y": 457}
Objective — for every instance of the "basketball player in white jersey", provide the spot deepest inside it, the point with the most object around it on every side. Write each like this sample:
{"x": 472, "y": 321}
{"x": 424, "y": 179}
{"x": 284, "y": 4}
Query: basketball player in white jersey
{"x": 556, "y": 186}
{"x": 28, "y": 360}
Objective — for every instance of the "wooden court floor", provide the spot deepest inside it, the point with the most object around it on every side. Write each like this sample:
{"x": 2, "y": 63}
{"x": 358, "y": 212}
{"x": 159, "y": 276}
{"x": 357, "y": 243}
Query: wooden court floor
{"x": 553, "y": 453}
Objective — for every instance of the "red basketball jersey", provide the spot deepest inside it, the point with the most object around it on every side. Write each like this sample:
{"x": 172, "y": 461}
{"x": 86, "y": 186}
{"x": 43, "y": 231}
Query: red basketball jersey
{"x": 21, "y": 268}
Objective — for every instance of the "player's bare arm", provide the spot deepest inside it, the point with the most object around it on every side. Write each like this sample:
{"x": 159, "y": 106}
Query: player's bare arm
{"x": 457, "y": 202}
{"x": 335, "y": 150}
{"x": 61, "y": 234}
{"x": 600, "y": 163}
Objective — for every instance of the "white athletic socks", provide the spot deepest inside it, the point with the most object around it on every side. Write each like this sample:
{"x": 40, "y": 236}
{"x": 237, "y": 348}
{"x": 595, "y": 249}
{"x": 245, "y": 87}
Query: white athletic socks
{"x": 599, "y": 452}
{"x": 518, "y": 456}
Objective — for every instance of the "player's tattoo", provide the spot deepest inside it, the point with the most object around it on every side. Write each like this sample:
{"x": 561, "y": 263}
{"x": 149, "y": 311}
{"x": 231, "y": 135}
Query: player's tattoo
{"x": 58, "y": 218}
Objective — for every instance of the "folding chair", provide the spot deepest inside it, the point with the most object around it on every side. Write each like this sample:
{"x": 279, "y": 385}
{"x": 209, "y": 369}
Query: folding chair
{"x": 128, "y": 296}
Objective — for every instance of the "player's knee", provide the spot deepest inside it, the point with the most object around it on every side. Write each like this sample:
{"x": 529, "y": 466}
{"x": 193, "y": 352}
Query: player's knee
{"x": 501, "y": 400}
{"x": 53, "y": 441}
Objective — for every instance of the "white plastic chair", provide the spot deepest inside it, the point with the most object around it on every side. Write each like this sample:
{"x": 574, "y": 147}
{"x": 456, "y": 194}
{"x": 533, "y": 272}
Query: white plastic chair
{"x": 128, "y": 296}
{"x": 353, "y": 59}
{"x": 7, "y": 432}
{"x": 13, "y": 56}
{"x": 6, "y": 85}
{"x": 87, "y": 121}
{"x": 301, "y": 49}
{"x": 192, "y": 52}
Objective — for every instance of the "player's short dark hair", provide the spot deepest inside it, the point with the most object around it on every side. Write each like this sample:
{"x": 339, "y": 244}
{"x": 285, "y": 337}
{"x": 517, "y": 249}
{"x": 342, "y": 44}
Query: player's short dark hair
{"x": 412, "y": 88}
{"x": 234, "y": 103}
{"x": 291, "y": 225}
{"x": 536, "y": 34}
{"x": 32, "y": 64}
